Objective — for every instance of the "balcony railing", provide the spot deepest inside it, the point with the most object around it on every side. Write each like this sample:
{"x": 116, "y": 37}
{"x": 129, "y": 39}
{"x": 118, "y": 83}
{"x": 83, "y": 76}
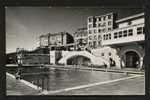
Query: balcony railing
{"x": 124, "y": 35}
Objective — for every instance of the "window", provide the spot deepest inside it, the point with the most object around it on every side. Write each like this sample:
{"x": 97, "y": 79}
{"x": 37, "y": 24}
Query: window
{"x": 90, "y": 31}
{"x": 115, "y": 35}
{"x": 95, "y": 31}
{"x": 99, "y": 30}
{"x": 129, "y": 23}
{"x": 90, "y": 19}
{"x": 104, "y": 18}
{"x": 99, "y": 42}
{"x": 94, "y": 44}
{"x": 109, "y": 29}
{"x": 102, "y": 54}
{"x": 109, "y": 16}
{"x": 139, "y": 30}
{"x": 109, "y": 23}
{"x": 99, "y": 18}
{"x": 90, "y": 43}
{"x": 90, "y": 25}
{"x": 120, "y": 34}
{"x": 104, "y": 29}
{"x": 94, "y": 24}
{"x": 94, "y": 19}
{"x": 104, "y": 24}
{"x": 125, "y": 33}
{"x": 99, "y": 24}
{"x": 109, "y": 36}
{"x": 104, "y": 37}
{"x": 130, "y": 32}
{"x": 99, "y": 37}
{"x": 109, "y": 54}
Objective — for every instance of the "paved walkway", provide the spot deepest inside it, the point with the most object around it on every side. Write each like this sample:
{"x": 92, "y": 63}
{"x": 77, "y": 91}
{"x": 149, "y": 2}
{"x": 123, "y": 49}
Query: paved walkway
{"x": 113, "y": 69}
{"x": 133, "y": 86}
{"x": 15, "y": 87}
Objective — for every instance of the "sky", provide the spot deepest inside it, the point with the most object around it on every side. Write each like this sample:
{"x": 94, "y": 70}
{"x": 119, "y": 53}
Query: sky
{"x": 24, "y": 25}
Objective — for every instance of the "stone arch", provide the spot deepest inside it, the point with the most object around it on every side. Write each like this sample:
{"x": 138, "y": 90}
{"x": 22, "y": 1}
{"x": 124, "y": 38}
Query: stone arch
{"x": 78, "y": 60}
{"x": 134, "y": 48}
{"x": 92, "y": 58}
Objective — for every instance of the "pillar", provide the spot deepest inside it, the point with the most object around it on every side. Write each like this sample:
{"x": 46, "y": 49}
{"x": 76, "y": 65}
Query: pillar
{"x": 47, "y": 83}
{"x": 38, "y": 83}
{"x": 122, "y": 61}
{"x": 42, "y": 83}
{"x": 141, "y": 62}
{"x": 118, "y": 63}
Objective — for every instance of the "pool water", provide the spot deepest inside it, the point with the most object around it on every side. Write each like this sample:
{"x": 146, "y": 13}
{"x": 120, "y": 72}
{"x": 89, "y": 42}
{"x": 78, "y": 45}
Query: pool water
{"x": 57, "y": 79}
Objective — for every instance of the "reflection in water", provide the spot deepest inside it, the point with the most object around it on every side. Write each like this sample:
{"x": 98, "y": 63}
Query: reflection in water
{"x": 60, "y": 79}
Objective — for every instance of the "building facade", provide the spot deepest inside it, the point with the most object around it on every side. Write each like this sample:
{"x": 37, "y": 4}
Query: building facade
{"x": 128, "y": 39}
{"x": 96, "y": 25}
{"x": 80, "y": 38}
{"x": 61, "y": 40}
{"x": 119, "y": 42}
{"x": 26, "y": 57}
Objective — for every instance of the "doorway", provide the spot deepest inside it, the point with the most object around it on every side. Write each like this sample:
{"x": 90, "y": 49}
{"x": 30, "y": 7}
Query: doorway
{"x": 132, "y": 59}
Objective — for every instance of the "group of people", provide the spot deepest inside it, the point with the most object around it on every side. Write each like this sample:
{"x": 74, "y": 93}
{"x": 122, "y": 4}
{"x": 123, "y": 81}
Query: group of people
{"x": 111, "y": 63}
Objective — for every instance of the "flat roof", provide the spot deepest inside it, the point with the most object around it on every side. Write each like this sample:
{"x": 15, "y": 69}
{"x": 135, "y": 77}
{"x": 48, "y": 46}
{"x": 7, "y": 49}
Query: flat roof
{"x": 83, "y": 28}
{"x": 69, "y": 44}
{"x": 130, "y": 17}
{"x": 101, "y": 15}
{"x": 57, "y": 33}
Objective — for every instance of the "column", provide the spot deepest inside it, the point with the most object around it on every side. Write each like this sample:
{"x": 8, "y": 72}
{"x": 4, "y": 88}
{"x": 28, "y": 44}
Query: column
{"x": 47, "y": 83}
{"x": 141, "y": 62}
{"x": 38, "y": 83}
{"x": 118, "y": 63}
{"x": 123, "y": 58}
{"x": 42, "y": 83}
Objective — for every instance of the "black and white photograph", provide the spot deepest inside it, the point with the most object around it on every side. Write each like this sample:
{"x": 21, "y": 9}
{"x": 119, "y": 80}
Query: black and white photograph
{"x": 75, "y": 51}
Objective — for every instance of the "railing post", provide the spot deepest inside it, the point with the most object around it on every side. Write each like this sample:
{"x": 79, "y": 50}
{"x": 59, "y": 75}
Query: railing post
{"x": 48, "y": 83}
{"x": 42, "y": 83}
{"x": 38, "y": 83}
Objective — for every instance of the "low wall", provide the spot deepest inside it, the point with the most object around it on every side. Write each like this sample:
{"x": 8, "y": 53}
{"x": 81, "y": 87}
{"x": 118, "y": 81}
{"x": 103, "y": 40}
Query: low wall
{"x": 106, "y": 53}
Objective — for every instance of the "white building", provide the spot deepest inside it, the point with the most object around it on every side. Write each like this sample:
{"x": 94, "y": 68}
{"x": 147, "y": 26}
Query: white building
{"x": 96, "y": 25}
{"x": 128, "y": 40}
{"x": 129, "y": 29}
{"x": 121, "y": 42}
{"x": 80, "y": 38}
